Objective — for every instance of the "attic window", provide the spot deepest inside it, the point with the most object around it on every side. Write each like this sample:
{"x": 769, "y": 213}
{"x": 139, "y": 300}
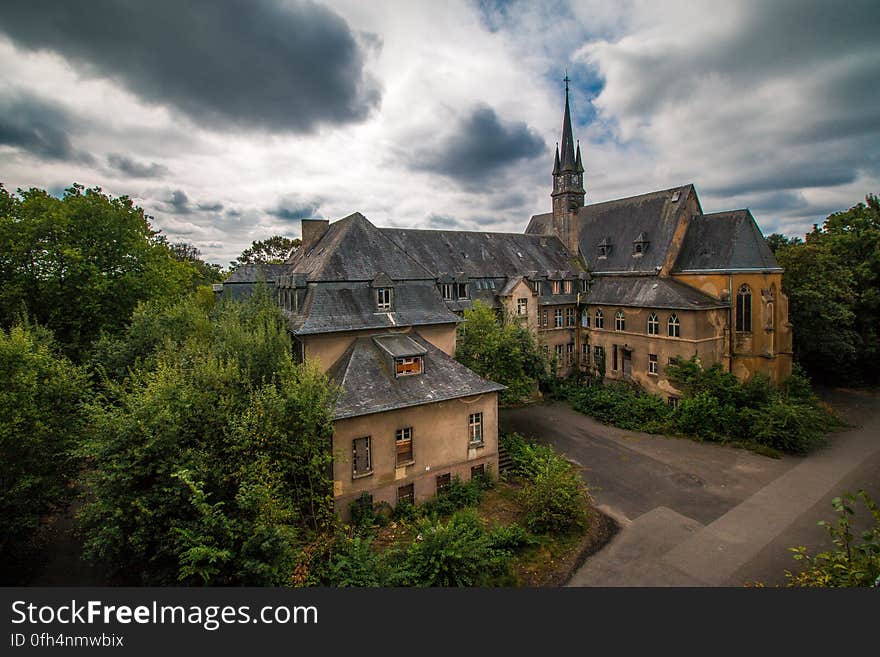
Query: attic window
{"x": 604, "y": 248}
{"x": 539, "y": 288}
{"x": 640, "y": 244}
{"x": 383, "y": 299}
{"x": 676, "y": 195}
{"x": 447, "y": 289}
{"x": 462, "y": 290}
{"x": 408, "y": 366}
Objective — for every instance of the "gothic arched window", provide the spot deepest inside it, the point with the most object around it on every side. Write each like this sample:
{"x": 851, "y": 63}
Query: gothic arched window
{"x": 744, "y": 308}
{"x": 619, "y": 321}
{"x": 653, "y": 324}
{"x": 673, "y": 327}
{"x": 600, "y": 319}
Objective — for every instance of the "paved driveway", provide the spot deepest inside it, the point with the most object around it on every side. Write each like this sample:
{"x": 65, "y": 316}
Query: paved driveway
{"x": 701, "y": 514}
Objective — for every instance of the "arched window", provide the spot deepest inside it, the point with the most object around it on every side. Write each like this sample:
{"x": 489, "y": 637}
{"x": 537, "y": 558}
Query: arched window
{"x": 673, "y": 327}
{"x": 585, "y": 318}
{"x": 619, "y": 321}
{"x": 653, "y": 324}
{"x": 600, "y": 319}
{"x": 744, "y": 308}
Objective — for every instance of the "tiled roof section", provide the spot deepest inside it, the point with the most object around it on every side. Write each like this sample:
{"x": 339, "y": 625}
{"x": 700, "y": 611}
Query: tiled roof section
{"x": 331, "y": 307}
{"x": 353, "y": 249}
{"x": 480, "y": 254}
{"x": 255, "y": 273}
{"x": 368, "y": 385}
{"x": 648, "y": 292}
{"x": 620, "y": 222}
{"x": 725, "y": 241}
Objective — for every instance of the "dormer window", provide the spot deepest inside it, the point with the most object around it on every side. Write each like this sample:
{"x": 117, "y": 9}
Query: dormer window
{"x": 539, "y": 288}
{"x": 448, "y": 291}
{"x": 557, "y": 287}
{"x": 408, "y": 366}
{"x": 640, "y": 244}
{"x": 462, "y": 290}
{"x": 604, "y": 248}
{"x": 384, "y": 297}
{"x": 566, "y": 287}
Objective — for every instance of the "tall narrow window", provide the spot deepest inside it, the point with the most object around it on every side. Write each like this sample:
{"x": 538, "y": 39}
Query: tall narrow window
{"x": 443, "y": 482}
{"x": 539, "y": 288}
{"x": 475, "y": 428}
{"x": 653, "y": 324}
{"x": 585, "y": 353}
{"x": 569, "y": 316}
{"x": 585, "y": 318}
{"x": 522, "y": 306}
{"x": 557, "y": 316}
{"x": 448, "y": 291}
{"x": 744, "y": 308}
{"x": 361, "y": 458}
{"x": 545, "y": 321}
{"x": 462, "y": 290}
{"x": 569, "y": 354}
{"x": 383, "y": 298}
{"x": 557, "y": 351}
{"x": 614, "y": 357}
{"x": 406, "y": 494}
{"x": 404, "y": 446}
{"x": 619, "y": 321}
{"x": 557, "y": 288}
{"x": 652, "y": 364}
{"x": 598, "y": 355}
{"x": 566, "y": 287}
{"x": 600, "y": 319}
{"x": 673, "y": 326}
{"x": 583, "y": 285}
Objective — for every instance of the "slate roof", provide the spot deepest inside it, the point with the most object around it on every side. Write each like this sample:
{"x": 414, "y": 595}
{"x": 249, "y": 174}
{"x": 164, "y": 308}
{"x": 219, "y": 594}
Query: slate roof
{"x": 648, "y": 292}
{"x": 620, "y": 222}
{"x": 253, "y": 273}
{"x": 353, "y": 249}
{"x": 725, "y": 241}
{"x": 481, "y": 254}
{"x": 330, "y": 307}
{"x": 368, "y": 384}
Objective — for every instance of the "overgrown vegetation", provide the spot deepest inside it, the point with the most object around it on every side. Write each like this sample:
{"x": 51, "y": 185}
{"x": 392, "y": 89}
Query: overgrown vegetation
{"x": 41, "y": 419}
{"x": 209, "y": 459}
{"x": 716, "y": 406}
{"x": 852, "y": 562}
{"x": 502, "y": 351}
{"x": 832, "y": 279}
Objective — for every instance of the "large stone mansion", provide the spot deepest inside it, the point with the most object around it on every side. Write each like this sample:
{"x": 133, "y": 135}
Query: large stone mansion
{"x": 620, "y": 287}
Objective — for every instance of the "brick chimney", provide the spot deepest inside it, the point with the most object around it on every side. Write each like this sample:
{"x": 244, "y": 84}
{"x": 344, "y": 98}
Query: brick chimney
{"x": 312, "y": 231}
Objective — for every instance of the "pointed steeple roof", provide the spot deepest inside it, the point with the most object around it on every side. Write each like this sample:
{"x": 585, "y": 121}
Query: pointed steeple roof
{"x": 578, "y": 164}
{"x": 568, "y": 156}
{"x": 556, "y": 165}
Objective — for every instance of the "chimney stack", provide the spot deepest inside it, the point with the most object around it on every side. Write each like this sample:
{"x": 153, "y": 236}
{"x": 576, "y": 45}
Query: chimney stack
{"x": 312, "y": 231}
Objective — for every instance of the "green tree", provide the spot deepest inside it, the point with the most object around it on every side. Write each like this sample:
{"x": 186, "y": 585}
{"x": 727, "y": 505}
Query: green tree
{"x": 205, "y": 272}
{"x": 80, "y": 265}
{"x": 41, "y": 419}
{"x": 832, "y": 280}
{"x": 211, "y": 458}
{"x": 275, "y": 249}
{"x": 502, "y": 351}
{"x": 777, "y": 241}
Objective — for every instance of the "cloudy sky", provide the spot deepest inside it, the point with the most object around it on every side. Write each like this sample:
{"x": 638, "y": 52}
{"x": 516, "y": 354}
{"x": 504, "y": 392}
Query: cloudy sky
{"x": 230, "y": 121}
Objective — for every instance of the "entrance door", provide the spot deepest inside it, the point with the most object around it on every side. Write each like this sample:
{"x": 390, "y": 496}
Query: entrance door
{"x": 627, "y": 364}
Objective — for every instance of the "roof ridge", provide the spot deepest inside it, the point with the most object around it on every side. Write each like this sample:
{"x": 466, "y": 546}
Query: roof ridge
{"x": 629, "y": 198}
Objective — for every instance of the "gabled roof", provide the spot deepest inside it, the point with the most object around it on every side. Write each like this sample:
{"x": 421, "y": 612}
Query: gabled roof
{"x": 331, "y": 307}
{"x": 267, "y": 273}
{"x": 353, "y": 249}
{"x": 481, "y": 254}
{"x": 648, "y": 292}
{"x": 620, "y": 222}
{"x": 367, "y": 384}
{"x": 725, "y": 241}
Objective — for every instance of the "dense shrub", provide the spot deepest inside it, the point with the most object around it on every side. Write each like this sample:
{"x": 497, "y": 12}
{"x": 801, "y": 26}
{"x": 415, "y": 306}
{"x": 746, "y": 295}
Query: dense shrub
{"x": 457, "y": 495}
{"x": 353, "y": 562}
{"x": 554, "y": 499}
{"x": 41, "y": 422}
{"x": 621, "y": 404}
{"x": 458, "y": 552}
{"x": 526, "y": 456}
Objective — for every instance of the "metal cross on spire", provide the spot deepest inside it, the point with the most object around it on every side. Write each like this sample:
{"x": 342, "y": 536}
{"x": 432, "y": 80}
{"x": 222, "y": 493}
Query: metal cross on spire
{"x": 566, "y": 80}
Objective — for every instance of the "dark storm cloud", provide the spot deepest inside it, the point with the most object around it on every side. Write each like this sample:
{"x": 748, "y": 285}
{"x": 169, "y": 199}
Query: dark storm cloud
{"x": 39, "y": 127}
{"x": 809, "y": 174}
{"x": 131, "y": 167}
{"x": 441, "y": 221}
{"x": 211, "y": 207}
{"x": 249, "y": 63}
{"x": 480, "y": 145}
{"x": 179, "y": 202}
{"x": 293, "y": 209}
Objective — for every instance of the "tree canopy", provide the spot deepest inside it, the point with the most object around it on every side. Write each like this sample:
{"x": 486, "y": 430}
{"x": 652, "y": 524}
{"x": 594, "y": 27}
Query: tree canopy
{"x": 79, "y": 265}
{"x": 275, "y": 249}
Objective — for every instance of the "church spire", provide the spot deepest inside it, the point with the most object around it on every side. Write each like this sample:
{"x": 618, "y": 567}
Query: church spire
{"x": 568, "y": 156}
{"x": 556, "y": 166}
{"x": 577, "y": 161}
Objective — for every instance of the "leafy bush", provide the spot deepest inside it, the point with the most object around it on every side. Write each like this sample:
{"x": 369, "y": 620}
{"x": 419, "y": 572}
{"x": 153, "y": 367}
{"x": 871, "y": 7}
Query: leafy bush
{"x": 363, "y": 515}
{"x": 621, "y": 404}
{"x": 554, "y": 500}
{"x": 354, "y": 563}
{"x": 527, "y": 457}
{"x": 41, "y": 422}
{"x": 850, "y": 564}
{"x": 792, "y": 428}
{"x": 459, "y": 552}
{"x": 457, "y": 495}
{"x": 511, "y": 537}
{"x": 703, "y": 415}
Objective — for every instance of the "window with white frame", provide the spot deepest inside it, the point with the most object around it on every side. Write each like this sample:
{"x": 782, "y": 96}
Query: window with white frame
{"x": 361, "y": 458}
{"x": 448, "y": 291}
{"x": 653, "y": 324}
{"x": 403, "y": 445}
{"x": 557, "y": 287}
{"x": 673, "y": 327}
{"x": 652, "y": 364}
{"x": 569, "y": 354}
{"x": 566, "y": 287}
{"x": 619, "y": 321}
{"x": 462, "y": 290}
{"x": 384, "y": 298}
{"x": 522, "y": 306}
{"x": 600, "y": 319}
{"x": 475, "y": 428}
{"x": 539, "y": 288}
{"x": 569, "y": 316}
{"x": 557, "y": 315}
